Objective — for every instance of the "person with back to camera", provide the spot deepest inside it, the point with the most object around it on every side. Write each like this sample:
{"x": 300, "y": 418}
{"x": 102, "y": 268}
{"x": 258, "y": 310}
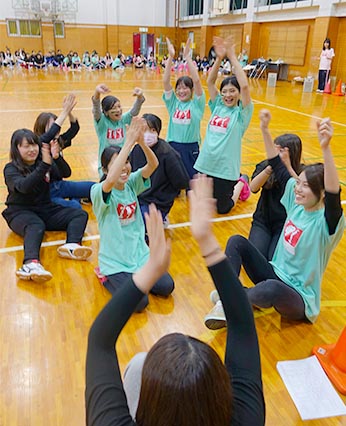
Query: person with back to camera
{"x": 291, "y": 281}
{"x": 231, "y": 111}
{"x": 182, "y": 381}
{"x": 270, "y": 215}
{"x": 29, "y": 211}
{"x": 110, "y": 122}
{"x": 325, "y": 65}
{"x": 123, "y": 249}
{"x": 186, "y": 107}
{"x": 64, "y": 192}
{"x": 169, "y": 178}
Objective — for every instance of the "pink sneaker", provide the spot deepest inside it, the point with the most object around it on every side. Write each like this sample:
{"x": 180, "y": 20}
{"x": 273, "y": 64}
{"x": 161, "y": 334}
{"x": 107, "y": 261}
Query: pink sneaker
{"x": 245, "y": 192}
{"x": 102, "y": 278}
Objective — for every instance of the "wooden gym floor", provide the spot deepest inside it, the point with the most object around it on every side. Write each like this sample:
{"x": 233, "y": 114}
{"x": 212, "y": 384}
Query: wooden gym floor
{"x": 44, "y": 328}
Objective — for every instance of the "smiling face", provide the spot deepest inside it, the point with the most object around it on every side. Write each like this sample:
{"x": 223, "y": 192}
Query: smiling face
{"x": 304, "y": 195}
{"x": 230, "y": 95}
{"x": 28, "y": 151}
{"x": 115, "y": 113}
{"x": 183, "y": 92}
{"x": 125, "y": 172}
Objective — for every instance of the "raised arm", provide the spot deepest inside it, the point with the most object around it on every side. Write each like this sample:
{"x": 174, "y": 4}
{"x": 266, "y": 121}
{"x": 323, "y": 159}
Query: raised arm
{"x": 242, "y": 357}
{"x": 140, "y": 99}
{"x": 134, "y": 132}
{"x": 69, "y": 103}
{"x": 220, "y": 52}
{"x": 96, "y": 110}
{"x": 331, "y": 178}
{"x": 238, "y": 71}
{"x": 197, "y": 85}
{"x": 105, "y": 399}
{"x": 260, "y": 179}
{"x": 265, "y": 118}
{"x": 167, "y": 87}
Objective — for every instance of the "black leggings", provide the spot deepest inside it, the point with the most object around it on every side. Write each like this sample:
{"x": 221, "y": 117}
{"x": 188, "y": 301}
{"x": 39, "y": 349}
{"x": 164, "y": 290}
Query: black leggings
{"x": 223, "y": 192}
{"x": 32, "y": 225}
{"x": 269, "y": 290}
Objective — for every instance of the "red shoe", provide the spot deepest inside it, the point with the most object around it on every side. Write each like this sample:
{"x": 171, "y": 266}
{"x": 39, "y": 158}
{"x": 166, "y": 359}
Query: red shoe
{"x": 245, "y": 192}
{"x": 102, "y": 278}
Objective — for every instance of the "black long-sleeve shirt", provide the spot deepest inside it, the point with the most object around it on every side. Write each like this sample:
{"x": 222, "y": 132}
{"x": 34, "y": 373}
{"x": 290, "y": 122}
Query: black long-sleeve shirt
{"x": 168, "y": 179}
{"x": 65, "y": 140}
{"x": 106, "y": 403}
{"x": 32, "y": 190}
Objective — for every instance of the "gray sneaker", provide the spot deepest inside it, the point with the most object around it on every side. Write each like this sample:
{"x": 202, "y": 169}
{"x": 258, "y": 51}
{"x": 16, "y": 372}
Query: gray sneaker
{"x": 33, "y": 271}
{"x": 216, "y": 318}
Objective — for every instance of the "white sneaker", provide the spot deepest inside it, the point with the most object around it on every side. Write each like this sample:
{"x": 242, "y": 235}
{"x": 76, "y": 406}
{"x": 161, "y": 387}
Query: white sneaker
{"x": 74, "y": 251}
{"x": 216, "y": 318}
{"x": 166, "y": 222}
{"x": 33, "y": 271}
{"x": 214, "y": 297}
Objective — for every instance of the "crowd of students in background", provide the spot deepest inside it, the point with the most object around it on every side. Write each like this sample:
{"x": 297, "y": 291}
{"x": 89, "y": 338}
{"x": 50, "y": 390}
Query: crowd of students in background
{"x": 93, "y": 61}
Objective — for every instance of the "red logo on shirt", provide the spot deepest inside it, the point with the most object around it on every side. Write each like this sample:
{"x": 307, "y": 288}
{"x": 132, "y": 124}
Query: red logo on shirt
{"x": 126, "y": 212}
{"x": 292, "y": 235}
{"x": 182, "y": 117}
{"x": 219, "y": 124}
{"x": 117, "y": 134}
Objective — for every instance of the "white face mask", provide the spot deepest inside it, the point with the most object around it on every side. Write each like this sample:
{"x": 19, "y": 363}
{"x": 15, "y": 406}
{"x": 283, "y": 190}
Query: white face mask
{"x": 150, "y": 138}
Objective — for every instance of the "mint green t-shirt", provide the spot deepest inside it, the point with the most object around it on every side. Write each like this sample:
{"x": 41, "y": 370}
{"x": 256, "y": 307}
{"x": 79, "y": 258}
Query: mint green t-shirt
{"x": 109, "y": 133}
{"x": 220, "y": 154}
{"x": 303, "y": 250}
{"x": 122, "y": 232}
{"x": 184, "y": 118}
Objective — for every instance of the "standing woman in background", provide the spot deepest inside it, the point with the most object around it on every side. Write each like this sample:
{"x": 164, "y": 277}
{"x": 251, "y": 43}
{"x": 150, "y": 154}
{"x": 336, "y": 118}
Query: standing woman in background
{"x": 186, "y": 107}
{"x": 326, "y": 58}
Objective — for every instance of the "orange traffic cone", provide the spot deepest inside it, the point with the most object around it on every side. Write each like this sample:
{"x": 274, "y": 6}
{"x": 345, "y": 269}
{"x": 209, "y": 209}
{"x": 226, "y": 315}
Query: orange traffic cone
{"x": 338, "y": 91}
{"x": 327, "y": 88}
{"x": 333, "y": 360}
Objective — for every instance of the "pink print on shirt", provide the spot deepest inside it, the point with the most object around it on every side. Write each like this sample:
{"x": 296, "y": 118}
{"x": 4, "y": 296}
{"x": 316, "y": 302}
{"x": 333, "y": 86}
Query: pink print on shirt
{"x": 292, "y": 235}
{"x": 181, "y": 117}
{"x": 126, "y": 212}
{"x": 218, "y": 124}
{"x": 117, "y": 135}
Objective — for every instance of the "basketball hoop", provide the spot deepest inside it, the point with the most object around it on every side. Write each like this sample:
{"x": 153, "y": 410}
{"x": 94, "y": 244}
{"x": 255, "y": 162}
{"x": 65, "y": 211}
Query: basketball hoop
{"x": 45, "y": 8}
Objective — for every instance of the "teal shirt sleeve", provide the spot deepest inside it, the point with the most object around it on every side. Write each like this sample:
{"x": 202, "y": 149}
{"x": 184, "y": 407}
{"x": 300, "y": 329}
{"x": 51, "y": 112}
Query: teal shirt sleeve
{"x": 138, "y": 183}
{"x": 288, "y": 199}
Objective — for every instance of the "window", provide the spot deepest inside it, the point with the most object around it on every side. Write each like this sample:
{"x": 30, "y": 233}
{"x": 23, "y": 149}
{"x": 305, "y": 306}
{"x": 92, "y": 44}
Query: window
{"x": 24, "y": 28}
{"x": 195, "y": 7}
{"x": 238, "y": 4}
{"x": 12, "y": 29}
{"x": 59, "y": 29}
